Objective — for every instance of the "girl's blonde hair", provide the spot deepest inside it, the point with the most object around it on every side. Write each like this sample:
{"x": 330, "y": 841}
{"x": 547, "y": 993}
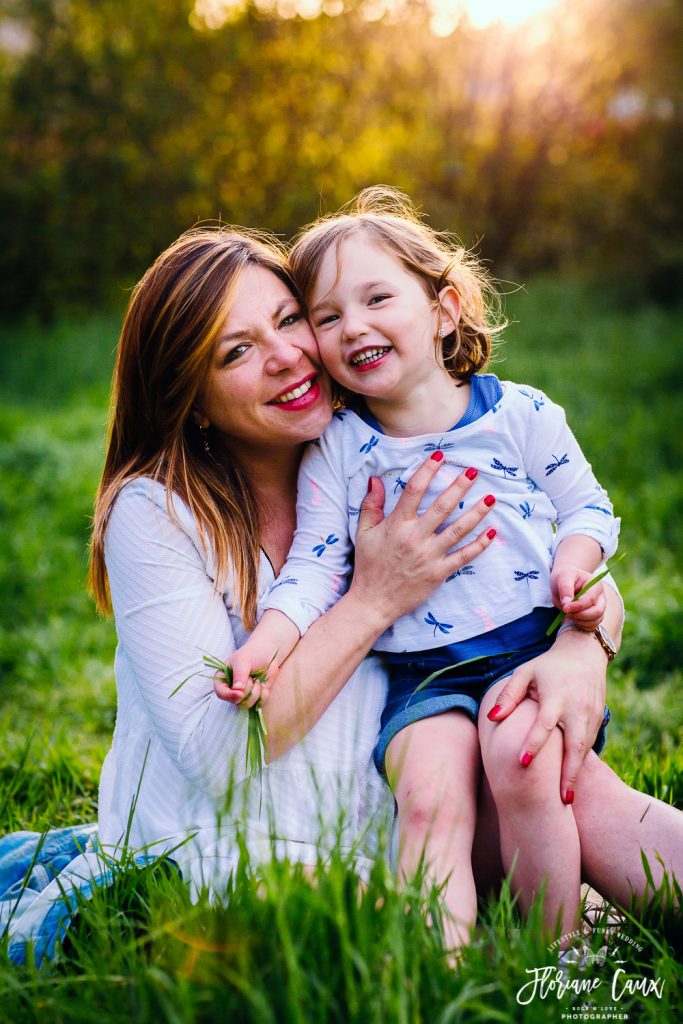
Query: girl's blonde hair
{"x": 163, "y": 360}
{"x": 437, "y": 258}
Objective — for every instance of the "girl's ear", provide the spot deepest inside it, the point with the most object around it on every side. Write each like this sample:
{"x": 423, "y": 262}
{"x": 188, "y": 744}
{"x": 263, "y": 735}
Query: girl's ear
{"x": 200, "y": 419}
{"x": 449, "y": 310}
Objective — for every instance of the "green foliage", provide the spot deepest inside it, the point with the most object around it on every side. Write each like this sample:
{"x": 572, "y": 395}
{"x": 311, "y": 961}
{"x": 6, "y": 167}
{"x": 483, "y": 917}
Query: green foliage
{"x": 287, "y": 946}
{"x": 122, "y": 123}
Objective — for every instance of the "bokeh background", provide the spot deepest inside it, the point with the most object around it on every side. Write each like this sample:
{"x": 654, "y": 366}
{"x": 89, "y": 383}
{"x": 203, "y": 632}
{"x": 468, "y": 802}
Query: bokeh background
{"x": 546, "y": 134}
{"x": 550, "y": 141}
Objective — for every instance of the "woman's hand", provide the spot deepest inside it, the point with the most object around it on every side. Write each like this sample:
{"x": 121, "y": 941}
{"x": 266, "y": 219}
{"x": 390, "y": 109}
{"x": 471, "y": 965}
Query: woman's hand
{"x": 401, "y": 559}
{"x": 569, "y": 683}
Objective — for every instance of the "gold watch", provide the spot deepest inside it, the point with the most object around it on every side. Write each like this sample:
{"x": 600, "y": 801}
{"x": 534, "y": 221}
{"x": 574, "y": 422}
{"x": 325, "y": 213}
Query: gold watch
{"x": 606, "y": 642}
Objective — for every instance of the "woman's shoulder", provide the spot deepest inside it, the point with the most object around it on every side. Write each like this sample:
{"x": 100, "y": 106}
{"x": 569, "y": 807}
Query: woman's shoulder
{"x": 143, "y": 492}
{"x": 145, "y": 509}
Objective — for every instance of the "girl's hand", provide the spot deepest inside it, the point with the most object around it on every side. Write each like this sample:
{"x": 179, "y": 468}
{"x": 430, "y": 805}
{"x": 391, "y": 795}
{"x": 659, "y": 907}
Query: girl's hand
{"x": 251, "y": 679}
{"x": 401, "y": 559}
{"x": 569, "y": 682}
{"x": 254, "y": 691}
{"x": 588, "y": 611}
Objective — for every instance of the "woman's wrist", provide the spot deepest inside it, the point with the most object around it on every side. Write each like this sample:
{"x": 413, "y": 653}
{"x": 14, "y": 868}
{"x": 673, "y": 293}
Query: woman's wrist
{"x": 372, "y": 617}
{"x": 582, "y": 642}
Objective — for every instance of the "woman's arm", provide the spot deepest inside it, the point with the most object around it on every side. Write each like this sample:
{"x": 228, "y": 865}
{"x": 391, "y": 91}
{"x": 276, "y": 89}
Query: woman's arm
{"x": 569, "y": 683}
{"x": 399, "y": 561}
{"x": 168, "y": 614}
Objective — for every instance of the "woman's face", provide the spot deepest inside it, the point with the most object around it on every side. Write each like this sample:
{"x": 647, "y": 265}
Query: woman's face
{"x": 266, "y": 388}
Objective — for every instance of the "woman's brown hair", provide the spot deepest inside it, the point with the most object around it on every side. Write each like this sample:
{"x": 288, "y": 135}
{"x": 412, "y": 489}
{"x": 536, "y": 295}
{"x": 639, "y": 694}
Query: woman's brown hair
{"x": 163, "y": 359}
{"x": 391, "y": 220}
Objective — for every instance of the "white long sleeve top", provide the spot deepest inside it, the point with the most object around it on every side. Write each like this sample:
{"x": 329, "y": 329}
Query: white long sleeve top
{"x": 176, "y": 772}
{"x": 525, "y": 455}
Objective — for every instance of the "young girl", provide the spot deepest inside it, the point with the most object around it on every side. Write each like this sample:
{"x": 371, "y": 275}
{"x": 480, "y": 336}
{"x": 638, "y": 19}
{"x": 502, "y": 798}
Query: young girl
{"x": 401, "y": 319}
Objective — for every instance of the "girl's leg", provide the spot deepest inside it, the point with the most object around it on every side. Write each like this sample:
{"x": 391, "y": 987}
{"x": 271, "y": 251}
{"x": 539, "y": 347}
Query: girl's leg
{"x": 538, "y": 832}
{"x": 487, "y": 864}
{"x": 433, "y": 769}
{"x": 615, "y": 823}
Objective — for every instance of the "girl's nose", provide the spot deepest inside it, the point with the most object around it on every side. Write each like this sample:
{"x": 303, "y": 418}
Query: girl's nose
{"x": 353, "y": 326}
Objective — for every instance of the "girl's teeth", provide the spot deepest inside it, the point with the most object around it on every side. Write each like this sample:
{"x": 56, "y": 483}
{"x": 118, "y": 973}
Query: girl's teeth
{"x": 369, "y": 356}
{"x": 296, "y": 393}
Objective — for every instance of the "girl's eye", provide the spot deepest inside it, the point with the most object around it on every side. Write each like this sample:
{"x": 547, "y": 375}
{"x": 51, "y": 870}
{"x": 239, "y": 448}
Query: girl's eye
{"x": 290, "y": 320}
{"x": 327, "y": 320}
{"x": 235, "y": 353}
{"x": 377, "y": 298}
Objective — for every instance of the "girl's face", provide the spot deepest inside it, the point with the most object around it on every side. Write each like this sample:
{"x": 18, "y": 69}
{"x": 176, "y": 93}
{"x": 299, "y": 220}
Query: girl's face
{"x": 373, "y": 321}
{"x": 266, "y": 388}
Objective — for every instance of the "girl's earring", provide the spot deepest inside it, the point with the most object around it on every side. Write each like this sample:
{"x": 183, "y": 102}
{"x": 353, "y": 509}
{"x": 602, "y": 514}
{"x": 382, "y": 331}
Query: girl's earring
{"x": 442, "y": 332}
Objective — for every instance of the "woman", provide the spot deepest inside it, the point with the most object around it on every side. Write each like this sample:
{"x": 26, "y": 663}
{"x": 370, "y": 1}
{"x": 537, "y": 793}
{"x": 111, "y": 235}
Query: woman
{"x": 217, "y": 388}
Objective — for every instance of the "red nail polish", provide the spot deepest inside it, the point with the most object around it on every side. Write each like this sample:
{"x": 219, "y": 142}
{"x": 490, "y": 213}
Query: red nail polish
{"x": 569, "y": 796}
{"x": 471, "y": 474}
{"x": 527, "y": 758}
{"x": 370, "y": 486}
{"x": 437, "y": 456}
{"x": 489, "y": 500}
{"x": 491, "y": 534}
{"x": 495, "y": 710}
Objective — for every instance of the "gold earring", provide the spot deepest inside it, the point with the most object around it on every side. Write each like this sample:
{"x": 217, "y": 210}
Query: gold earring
{"x": 205, "y": 440}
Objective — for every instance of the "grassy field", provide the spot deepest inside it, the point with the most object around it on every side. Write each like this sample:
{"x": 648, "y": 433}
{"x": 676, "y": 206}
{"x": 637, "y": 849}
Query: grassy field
{"x": 290, "y": 949}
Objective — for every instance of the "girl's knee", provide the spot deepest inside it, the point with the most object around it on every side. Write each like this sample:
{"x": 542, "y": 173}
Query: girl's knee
{"x": 422, "y": 813}
{"x": 516, "y": 784}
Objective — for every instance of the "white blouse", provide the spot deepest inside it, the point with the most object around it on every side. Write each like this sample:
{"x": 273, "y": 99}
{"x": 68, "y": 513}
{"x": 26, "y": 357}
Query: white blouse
{"x": 175, "y": 779}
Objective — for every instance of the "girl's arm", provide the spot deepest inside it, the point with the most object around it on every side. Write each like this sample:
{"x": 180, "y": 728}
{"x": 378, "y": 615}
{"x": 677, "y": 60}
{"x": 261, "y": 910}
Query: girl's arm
{"x": 399, "y": 561}
{"x": 271, "y": 643}
{"x": 554, "y": 461}
{"x": 314, "y": 575}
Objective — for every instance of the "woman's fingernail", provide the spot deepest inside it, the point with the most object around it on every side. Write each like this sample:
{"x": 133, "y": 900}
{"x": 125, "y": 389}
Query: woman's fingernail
{"x": 471, "y": 473}
{"x": 527, "y": 758}
{"x": 491, "y": 534}
{"x": 494, "y": 712}
{"x": 437, "y": 456}
{"x": 489, "y": 500}
{"x": 370, "y": 486}
{"x": 569, "y": 796}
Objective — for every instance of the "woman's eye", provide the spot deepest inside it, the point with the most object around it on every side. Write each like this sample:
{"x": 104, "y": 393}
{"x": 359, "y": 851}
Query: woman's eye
{"x": 288, "y": 321}
{"x": 235, "y": 353}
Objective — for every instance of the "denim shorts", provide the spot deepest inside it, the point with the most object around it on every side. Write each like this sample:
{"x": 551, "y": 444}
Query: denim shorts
{"x": 461, "y": 688}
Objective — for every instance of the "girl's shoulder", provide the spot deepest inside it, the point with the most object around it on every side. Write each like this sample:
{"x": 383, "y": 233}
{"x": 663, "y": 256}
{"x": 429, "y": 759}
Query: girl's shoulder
{"x": 525, "y": 398}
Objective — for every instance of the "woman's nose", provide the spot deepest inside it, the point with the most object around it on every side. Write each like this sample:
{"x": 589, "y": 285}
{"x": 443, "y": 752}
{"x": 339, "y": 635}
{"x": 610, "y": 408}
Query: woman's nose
{"x": 283, "y": 354}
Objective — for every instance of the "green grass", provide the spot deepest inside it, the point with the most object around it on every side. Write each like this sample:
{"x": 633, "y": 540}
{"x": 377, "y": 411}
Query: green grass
{"x": 283, "y": 947}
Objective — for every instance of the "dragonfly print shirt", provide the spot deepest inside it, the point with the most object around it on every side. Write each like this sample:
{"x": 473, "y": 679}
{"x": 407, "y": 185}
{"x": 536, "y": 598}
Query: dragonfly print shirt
{"x": 525, "y": 455}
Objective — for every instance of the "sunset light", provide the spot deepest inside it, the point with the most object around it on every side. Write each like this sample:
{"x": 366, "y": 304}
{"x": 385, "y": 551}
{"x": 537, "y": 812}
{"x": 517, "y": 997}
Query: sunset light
{"x": 482, "y": 13}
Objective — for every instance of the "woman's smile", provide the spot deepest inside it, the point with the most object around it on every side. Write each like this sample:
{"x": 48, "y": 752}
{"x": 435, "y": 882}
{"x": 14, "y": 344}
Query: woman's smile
{"x": 300, "y": 395}
{"x": 266, "y": 364}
